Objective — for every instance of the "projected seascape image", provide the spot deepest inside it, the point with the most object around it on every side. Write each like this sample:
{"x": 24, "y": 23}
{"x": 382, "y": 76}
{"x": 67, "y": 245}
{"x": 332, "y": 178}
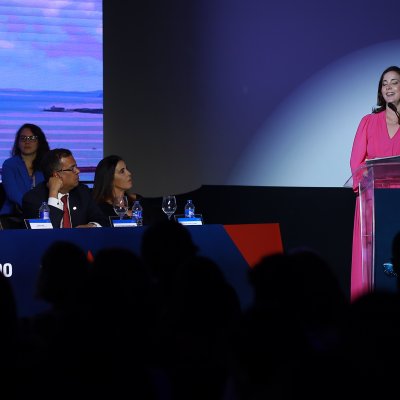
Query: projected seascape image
{"x": 72, "y": 120}
{"x": 52, "y": 74}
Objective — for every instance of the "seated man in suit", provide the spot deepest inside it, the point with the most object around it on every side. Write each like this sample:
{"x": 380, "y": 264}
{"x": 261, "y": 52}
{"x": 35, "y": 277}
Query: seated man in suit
{"x": 71, "y": 202}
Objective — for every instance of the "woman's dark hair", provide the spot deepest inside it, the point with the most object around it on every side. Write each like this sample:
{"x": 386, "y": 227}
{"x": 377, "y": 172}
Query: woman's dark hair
{"x": 380, "y": 102}
{"x": 43, "y": 146}
{"x": 104, "y": 178}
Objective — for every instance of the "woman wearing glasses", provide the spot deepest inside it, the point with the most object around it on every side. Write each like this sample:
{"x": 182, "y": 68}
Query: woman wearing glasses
{"x": 22, "y": 171}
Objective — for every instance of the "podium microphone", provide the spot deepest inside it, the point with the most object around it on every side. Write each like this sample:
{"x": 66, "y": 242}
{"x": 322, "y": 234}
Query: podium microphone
{"x": 393, "y": 108}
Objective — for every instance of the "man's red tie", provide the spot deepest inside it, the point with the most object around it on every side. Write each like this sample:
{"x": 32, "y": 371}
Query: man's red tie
{"x": 66, "y": 219}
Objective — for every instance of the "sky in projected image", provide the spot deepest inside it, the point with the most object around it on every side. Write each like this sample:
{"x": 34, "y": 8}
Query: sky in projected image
{"x": 51, "y": 63}
{"x": 308, "y": 140}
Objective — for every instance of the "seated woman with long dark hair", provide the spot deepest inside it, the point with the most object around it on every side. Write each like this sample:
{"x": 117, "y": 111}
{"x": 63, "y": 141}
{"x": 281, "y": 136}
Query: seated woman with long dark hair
{"x": 113, "y": 179}
{"x": 22, "y": 171}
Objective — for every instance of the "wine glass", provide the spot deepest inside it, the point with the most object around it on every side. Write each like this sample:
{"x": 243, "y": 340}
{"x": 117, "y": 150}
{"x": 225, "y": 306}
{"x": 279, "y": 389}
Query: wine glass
{"x": 169, "y": 205}
{"x": 120, "y": 205}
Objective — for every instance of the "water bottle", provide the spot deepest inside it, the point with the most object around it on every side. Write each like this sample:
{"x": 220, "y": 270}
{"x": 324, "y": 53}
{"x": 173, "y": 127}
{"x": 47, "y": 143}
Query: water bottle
{"x": 137, "y": 212}
{"x": 44, "y": 211}
{"x": 189, "y": 209}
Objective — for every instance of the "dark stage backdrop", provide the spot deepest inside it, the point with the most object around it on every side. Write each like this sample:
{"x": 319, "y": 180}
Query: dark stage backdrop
{"x": 319, "y": 218}
{"x": 241, "y": 92}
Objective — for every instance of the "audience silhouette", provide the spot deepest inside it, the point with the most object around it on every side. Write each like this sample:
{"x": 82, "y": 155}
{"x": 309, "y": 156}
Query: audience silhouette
{"x": 166, "y": 325}
{"x": 52, "y": 341}
{"x": 196, "y": 330}
{"x": 293, "y": 324}
{"x": 8, "y": 337}
{"x": 119, "y": 319}
{"x": 165, "y": 246}
{"x": 370, "y": 347}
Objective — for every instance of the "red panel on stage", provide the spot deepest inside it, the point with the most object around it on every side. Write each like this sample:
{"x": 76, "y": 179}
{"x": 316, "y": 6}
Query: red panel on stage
{"x": 256, "y": 240}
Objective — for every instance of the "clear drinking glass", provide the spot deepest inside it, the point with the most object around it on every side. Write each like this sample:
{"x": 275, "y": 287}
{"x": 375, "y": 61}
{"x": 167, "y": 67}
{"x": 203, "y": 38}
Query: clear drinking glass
{"x": 120, "y": 205}
{"x": 169, "y": 205}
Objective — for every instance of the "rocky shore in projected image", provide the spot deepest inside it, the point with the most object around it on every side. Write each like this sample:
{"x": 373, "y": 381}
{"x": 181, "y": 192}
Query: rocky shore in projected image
{"x": 83, "y": 110}
{"x": 73, "y": 120}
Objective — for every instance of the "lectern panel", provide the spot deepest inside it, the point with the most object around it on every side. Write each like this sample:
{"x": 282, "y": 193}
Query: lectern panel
{"x": 387, "y": 224}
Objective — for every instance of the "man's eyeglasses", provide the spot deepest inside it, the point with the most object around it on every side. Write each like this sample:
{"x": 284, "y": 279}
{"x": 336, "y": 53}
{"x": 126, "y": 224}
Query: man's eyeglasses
{"x": 74, "y": 168}
{"x": 24, "y": 138}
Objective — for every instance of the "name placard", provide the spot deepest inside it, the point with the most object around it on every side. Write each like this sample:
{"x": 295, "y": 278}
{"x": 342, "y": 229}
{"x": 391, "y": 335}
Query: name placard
{"x": 123, "y": 223}
{"x": 196, "y": 220}
{"x": 38, "y": 224}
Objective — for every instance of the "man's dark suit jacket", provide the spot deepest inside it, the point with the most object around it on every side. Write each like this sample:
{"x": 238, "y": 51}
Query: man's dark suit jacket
{"x": 82, "y": 207}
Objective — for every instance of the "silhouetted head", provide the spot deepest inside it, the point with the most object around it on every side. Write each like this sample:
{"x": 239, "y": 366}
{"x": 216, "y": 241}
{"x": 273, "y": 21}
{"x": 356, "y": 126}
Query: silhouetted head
{"x": 63, "y": 274}
{"x": 202, "y": 296}
{"x": 8, "y": 323}
{"x": 318, "y": 294}
{"x": 300, "y": 283}
{"x": 165, "y": 245}
{"x": 118, "y": 274}
{"x": 269, "y": 279}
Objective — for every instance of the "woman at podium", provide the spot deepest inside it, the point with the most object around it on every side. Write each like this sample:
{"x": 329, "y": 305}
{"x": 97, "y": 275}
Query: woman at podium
{"x": 377, "y": 136}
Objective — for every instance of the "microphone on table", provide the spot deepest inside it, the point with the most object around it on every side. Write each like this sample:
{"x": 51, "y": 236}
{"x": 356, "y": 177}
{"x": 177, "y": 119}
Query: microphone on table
{"x": 394, "y": 108}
